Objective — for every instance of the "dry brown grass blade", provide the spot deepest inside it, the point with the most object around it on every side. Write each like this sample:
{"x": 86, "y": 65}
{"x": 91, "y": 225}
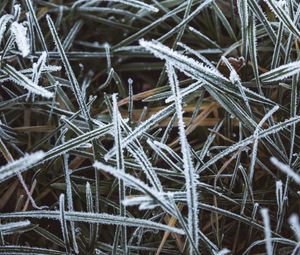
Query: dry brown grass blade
{"x": 198, "y": 120}
{"x": 171, "y": 223}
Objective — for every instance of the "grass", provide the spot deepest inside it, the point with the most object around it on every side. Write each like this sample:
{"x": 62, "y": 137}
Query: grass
{"x": 149, "y": 127}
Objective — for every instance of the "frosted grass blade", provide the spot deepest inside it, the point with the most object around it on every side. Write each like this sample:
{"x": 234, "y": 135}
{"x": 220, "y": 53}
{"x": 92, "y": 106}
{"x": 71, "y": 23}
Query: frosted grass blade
{"x": 185, "y": 20}
{"x": 253, "y": 50}
{"x": 120, "y": 166}
{"x": 69, "y": 71}
{"x": 20, "y": 165}
{"x": 255, "y": 144}
{"x": 143, "y": 127}
{"x": 63, "y": 223}
{"x": 20, "y": 34}
{"x": 267, "y": 229}
{"x": 242, "y": 144}
{"x": 23, "y": 250}
{"x": 38, "y": 68}
{"x": 283, "y": 17}
{"x": 101, "y": 218}
{"x": 211, "y": 77}
{"x": 78, "y": 141}
{"x": 294, "y": 222}
{"x": 3, "y": 24}
{"x": 244, "y": 18}
{"x": 189, "y": 171}
{"x": 70, "y": 203}
{"x": 286, "y": 169}
{"x": 133, "y": 3}
{"x": 282, "y": 72}
{"x": 13, "y": 226}
{"x": 23, "y": 81}
{"x": 36, "y": 24}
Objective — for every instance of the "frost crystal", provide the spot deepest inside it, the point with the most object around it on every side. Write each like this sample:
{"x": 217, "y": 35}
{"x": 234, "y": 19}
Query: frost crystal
{"x": 20, "y": 34}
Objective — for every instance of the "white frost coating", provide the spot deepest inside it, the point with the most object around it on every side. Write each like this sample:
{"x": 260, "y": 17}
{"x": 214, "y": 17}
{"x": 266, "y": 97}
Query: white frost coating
{"x": 294, "y": 222}
{"x": 136, "y": 184}
{"x": 264, "y": 119}
{"x": 144, "y": 202}
{"x": 47, "y": 68}
{"x": 189, "y": 66}
{"x": 186, "y": 91}
{"x": 89, "y": 197}
{"x": 63, "y": 221}
{"x": 17, "y": 12}
{"x": 244, "y": 143}
{"x": 102, "y": 218}
{"x": 3, "y": 24}
{"x": 20, "y": 34}
{"x": 23, "y": 81}
{"x": 108, "y": 57}
{"x": 129, "y": 179}
{"x": 20, "y": 165}
{"x": 281, "y": 72}
{"x": 189, "y": 171}
{"x": 244, "y": 18}
{"x": 136, "y": 200}
{"x": 69, "y": 70}
{"x": 38, "y": 67}
{"x": 279, "y": 196}
{"x": 142, "y": 159}
{"x": 14, "y": 225}
{"x": 117, "y": 132}
{"x": 286, "y": 169}
{"x": 267, "y": 229}
{"x": 120, "y": 165}
{"x": 143, "y": 127}
{"x": 223, "y": 252}
{"x": 52, "y": 68}
{"x": 236, "y": 80}
{"x": 255, "y": 144}
{"x": 283, "y": 16}
{"x": 197, "y": 54}
{"x": 133, "y": 3}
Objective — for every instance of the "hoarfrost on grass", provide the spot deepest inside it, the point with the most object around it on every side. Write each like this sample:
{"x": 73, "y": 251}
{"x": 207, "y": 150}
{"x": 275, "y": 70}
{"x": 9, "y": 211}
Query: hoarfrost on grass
{"x": 20, "y": 165}
{"x": 20, "y": 34}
